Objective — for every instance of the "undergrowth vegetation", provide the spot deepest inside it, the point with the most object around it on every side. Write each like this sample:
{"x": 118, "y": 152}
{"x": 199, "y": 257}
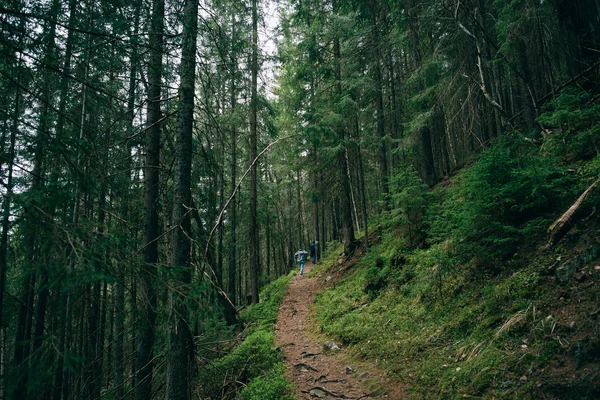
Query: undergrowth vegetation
{"x": 459, "y": 299}
{"x": 254, "y": 369}
{"x": 510, "y": 193}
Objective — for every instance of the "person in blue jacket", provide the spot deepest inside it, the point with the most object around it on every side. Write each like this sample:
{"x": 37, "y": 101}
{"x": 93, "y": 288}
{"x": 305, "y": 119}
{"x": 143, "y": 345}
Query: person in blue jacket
{"x": 301, "y": 257}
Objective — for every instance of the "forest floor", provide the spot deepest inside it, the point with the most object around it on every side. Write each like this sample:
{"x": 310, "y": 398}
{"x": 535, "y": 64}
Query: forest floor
{"x": 315, "y": 372}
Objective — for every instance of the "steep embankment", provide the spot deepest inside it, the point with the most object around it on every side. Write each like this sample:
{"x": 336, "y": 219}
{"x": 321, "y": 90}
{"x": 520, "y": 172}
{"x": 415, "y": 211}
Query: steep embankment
{"x": 527, "y": 332}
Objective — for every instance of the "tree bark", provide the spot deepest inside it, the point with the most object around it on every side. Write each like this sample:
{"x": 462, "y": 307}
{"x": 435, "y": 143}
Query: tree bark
{"x": 6, "y": 204}
{"x": 59, "y": 381}
{"x": 233, "y": 249}
{"x": 180, "y": 354}
{"x": 147, "y": 301}
{"x": 377, "y": 75}
{"x": 561, "y": 226}
{"x": 346, "y": 200}
{"x": 254, "y": 253}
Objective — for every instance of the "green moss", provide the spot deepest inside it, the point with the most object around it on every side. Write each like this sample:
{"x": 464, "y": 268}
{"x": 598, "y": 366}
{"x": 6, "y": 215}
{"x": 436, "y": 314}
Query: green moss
{"x": 271, "y": 386}
{"x": 256, "y": 362}
{"x": 468, "y": 340}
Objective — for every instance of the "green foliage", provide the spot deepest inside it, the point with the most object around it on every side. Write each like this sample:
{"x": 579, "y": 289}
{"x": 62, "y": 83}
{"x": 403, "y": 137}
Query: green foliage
{"x": 271, "y": 386}
{"x": 264, "y": 314}
{"x": 409, "y": 197}
{"x": 471, "y": 342}
{"x": 575, "y": 124}
{"x": 377, "y": 278}
{"x": 505, "y": 196}
{"x": 252, "y": 357}
{"x": 255, "y": 360}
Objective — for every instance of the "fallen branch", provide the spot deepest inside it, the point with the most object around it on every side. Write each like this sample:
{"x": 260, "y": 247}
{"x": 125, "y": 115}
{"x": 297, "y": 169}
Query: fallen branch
{"x": 220, "y": 217}
{"x": 561, "y": 226}
{"x": 570, "y": 81}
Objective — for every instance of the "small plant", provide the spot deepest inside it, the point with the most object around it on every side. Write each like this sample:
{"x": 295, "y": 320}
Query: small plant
{"x": 377, "y": 278}
{"x": 272, "y": 386}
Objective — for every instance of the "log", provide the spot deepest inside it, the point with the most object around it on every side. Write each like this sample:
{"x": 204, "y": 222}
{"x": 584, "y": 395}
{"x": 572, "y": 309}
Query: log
{"x": 563, "y": 225}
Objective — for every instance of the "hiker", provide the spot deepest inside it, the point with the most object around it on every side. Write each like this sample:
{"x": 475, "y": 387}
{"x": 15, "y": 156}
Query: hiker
{"x": 300, "y": 257}
{"x": 313, "y": 252}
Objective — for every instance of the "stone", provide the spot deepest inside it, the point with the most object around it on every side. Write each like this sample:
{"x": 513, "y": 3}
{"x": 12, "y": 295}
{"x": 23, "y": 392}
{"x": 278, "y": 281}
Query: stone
{"x": 350, "y": 369}
{"x": 318, "y": 393}
{"x": 330, "y": 346}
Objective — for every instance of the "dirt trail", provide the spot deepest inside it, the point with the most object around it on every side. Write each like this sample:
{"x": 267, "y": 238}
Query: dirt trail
{"x": 311, "y": 369}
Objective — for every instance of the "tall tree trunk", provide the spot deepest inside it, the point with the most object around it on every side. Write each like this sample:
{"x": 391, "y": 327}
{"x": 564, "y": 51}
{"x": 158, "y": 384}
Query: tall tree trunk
{"x": 219, "y": 269}
{"x": 119, "y": 319}
{"x": 180, "y": 348}
{"x": 299, "y": 216}
{"x": 268, "y": 244}
{"x": 147, "y": 302}
{"x": 59, "y": 381}
{"x": 23, "y": 336}
{"x": 233, "y": 208}
{"x": 377, "y": 75}
{"x": 363, "y": 194}
{"x": 346, "y": 200}
{"x": 323, "y": 244}
{"x": 6, "y": 204}
{"x": 254, "y": 253}
{"x": 25, "y": 322}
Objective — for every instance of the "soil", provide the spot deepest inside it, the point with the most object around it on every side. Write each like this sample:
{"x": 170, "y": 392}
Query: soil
{"x": 313, "y": 369}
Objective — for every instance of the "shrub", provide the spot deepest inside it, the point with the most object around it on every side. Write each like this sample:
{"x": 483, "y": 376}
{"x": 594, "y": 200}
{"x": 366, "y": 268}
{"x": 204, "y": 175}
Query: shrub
{"x": 408, "y": 198}
{"x": 377, "y": 278}
{"x": 502, "y": 198}
{"x": 575, "y": 124}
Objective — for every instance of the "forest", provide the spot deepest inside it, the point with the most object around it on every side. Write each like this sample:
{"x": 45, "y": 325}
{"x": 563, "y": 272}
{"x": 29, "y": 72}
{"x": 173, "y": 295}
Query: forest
{"x": 162, "y": 161}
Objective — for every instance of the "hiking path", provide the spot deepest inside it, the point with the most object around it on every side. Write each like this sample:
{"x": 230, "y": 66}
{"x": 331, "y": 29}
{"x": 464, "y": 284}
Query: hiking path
{"x": 318, "y": 373}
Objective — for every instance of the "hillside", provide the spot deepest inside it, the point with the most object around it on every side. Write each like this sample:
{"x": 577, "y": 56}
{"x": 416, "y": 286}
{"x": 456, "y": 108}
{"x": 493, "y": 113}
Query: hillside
{"x": 523, "y": 333}
{"x": 478, "y": 297}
